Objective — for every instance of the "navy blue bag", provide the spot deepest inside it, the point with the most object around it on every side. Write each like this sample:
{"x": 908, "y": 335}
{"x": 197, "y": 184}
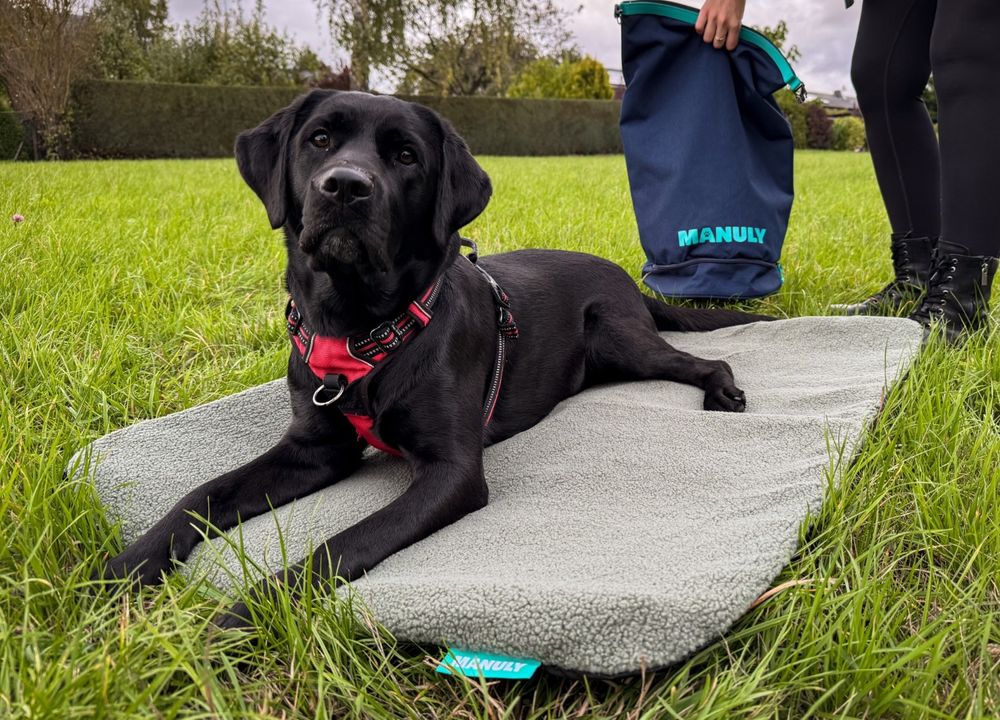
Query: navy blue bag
{"x": 708, "y": 152}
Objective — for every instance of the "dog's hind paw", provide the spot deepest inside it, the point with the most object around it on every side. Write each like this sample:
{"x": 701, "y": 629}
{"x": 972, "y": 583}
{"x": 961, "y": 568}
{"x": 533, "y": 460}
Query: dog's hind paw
{"x": 727, "y": 398}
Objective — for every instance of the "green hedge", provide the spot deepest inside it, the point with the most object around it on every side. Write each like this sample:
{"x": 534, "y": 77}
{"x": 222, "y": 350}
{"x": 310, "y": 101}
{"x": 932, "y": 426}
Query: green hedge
{"x": 528, "y": 126}
{"x": 133, "y": 120}
{"x": 11, "y": 137}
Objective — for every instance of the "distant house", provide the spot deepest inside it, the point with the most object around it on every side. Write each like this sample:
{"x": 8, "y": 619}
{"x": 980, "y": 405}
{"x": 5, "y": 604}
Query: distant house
{"x": 837, "y": 103}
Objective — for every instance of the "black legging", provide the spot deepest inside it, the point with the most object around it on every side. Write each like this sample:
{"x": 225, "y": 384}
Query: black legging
{"x": 951, "y": 190}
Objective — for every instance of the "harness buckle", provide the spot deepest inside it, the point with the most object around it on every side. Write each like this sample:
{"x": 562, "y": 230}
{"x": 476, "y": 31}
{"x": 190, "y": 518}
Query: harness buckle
{"x": 328, "y": 380}
{"x": 293, "y": 317}
{"x": 387, "y": 336}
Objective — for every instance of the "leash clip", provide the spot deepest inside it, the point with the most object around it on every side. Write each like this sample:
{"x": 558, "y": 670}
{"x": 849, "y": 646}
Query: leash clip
{"x": 329, "y": 379}
{"x": 506, "y": 323}
{"x": 473, "y": 256}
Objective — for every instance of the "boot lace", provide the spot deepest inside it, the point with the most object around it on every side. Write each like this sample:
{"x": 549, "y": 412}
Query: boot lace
{"x": 903, "y": 283}
{"x": 901, "y": 264}
{"x": 943, "y": 269}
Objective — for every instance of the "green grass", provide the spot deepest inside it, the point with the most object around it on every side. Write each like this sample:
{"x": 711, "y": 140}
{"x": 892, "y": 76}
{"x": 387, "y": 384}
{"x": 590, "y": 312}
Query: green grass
{"x": 136, "y": 289}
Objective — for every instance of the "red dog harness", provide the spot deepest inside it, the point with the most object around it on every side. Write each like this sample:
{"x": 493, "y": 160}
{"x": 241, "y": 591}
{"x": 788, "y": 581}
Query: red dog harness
{"x": 339, "y": 362}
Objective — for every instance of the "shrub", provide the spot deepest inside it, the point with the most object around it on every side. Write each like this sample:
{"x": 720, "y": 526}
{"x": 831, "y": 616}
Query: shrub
{"x": 589, "y": 79}
{"x": 546, "y": 78}
{"x": 11, "y": 136}
{"x": 849, "y": 134}
{"x": 796, "y": 114}
{"x": 820, "y": 127}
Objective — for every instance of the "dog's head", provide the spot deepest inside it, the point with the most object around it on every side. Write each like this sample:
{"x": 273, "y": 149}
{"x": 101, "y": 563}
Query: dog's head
{"x": 367, "y": 185}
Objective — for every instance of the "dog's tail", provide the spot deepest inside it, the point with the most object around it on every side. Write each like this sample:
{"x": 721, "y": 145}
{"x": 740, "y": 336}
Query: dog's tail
{"x": 672, "y": 317}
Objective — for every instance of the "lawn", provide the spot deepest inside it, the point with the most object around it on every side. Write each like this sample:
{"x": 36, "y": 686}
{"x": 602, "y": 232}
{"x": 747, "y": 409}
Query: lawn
{"x": 134, "y": 289}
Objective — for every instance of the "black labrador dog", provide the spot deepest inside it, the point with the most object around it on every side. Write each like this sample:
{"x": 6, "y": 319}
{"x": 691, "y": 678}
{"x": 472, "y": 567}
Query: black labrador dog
{"x": 371, "y": 192}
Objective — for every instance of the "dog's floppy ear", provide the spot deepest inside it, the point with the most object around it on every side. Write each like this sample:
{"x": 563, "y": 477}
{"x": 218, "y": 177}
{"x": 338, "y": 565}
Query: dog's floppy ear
{"x": 261, "y": 155}
{"x": 464, "y": 188}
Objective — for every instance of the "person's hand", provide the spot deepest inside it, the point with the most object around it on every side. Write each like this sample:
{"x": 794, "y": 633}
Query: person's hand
{"x": 719, "y": 22}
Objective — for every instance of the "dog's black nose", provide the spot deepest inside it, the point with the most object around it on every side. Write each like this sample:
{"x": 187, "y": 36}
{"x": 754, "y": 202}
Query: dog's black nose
{"x": 345, "y": 184}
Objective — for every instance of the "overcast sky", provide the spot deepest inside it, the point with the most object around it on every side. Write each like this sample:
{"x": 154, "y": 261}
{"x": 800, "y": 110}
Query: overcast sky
{"x": 822, "y": 29}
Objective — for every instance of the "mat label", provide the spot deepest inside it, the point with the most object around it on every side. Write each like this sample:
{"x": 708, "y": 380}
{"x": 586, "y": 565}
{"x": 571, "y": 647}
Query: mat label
{"x": 489, "y": 665}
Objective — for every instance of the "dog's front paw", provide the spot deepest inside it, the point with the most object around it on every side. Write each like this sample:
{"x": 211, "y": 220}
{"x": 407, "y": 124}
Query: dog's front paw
{"x": 137, "y": 565}
{"x": 236, "y": 617}
{"x": 727, "y": 398}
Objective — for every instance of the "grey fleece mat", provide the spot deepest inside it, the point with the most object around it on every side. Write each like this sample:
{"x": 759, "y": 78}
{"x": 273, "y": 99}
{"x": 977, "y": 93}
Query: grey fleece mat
{"x": 630, "y": 528}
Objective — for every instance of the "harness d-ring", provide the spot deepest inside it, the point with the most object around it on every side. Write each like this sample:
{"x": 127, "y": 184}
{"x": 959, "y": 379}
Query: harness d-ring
{"x": 340, "y": 391}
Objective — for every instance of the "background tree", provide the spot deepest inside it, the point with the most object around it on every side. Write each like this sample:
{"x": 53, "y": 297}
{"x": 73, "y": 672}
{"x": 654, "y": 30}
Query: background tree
{"x": 371, "y": 30}
{"x": 779, "y": 36}
{"x": 223, "y": 46}
{"x": 309, "y": 69}
{"x": 477, "y": 47}
{"x": 466, "y": 61}
{"x": 445, "y": 47}
{"x": 44, "y": 44}
{"x": 819, "y": 126}
{"x": 126, "y": 31}
{"x": 568, "y": 77}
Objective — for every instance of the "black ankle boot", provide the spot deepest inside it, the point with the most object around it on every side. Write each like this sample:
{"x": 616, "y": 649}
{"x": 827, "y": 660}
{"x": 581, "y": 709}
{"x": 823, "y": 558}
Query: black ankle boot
{"x": 959, "y": 292}
{"x": 911, "y": 260}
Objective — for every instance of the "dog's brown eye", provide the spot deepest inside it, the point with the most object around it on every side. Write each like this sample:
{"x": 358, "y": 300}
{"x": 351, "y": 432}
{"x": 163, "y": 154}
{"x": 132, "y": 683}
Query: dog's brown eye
{"x": 407, "y": 157}
{"x": 320, "y": 139}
